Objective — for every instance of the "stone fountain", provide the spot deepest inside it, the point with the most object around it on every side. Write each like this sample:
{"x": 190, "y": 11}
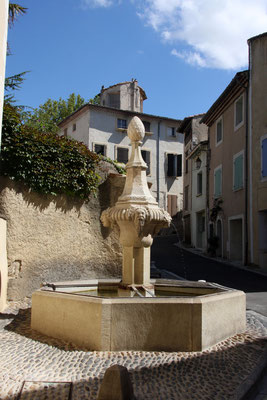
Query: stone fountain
{"x": 136, "y": 313}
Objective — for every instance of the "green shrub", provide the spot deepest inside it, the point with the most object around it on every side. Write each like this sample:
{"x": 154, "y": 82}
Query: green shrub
{"x": 46, "y": 162}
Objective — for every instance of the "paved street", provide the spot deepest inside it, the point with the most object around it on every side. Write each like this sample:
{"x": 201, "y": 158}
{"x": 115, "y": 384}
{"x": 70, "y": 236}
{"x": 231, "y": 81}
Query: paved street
{"x": 194, "y": 267}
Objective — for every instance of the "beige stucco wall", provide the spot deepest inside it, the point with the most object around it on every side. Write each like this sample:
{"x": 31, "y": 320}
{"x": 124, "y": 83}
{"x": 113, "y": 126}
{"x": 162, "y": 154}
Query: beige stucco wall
{"x": 233, "y": 142}
{"x": 57, "y": 238}
{"x": 3, "y": 44}
{"x": 258, "y": 129}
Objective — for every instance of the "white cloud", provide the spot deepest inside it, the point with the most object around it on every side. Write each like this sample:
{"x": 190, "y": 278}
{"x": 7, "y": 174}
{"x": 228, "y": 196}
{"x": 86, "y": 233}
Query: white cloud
{"x": 96, "y": 3}
{"x": 215, "y": 31}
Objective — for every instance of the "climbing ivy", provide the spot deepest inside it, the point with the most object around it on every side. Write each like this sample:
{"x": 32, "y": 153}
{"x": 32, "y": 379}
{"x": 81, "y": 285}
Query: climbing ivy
{"x": 46, "y": 162}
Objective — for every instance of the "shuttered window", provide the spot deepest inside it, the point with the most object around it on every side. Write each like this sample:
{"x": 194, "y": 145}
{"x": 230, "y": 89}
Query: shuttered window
{"x": 122, "y": 155}
{"x": 238, "y": 172}
{"x": 264, "y": 158}
{"x": 174, "y": 165}
{"x": 146, "y": 158}
{"x": 218, "y": 182}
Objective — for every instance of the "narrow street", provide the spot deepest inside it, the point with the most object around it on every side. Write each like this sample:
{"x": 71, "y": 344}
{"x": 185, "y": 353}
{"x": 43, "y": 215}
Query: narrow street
{"x": 195, "y": 267}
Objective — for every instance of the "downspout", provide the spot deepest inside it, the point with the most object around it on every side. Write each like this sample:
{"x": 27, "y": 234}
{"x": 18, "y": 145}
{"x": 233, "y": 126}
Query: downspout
{"x": 207, "y": 190}
{"x": 250, "y": 157}
{"x": 157, "y": 161}
{"x": 246, "y": 180}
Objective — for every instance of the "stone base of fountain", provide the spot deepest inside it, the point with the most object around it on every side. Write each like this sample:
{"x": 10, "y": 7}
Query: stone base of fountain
{"x": 183, "y": 315}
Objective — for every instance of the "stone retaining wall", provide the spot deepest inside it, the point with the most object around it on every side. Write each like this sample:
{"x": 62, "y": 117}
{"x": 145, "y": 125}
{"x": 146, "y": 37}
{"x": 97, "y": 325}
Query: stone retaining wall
{"x": 57, "y": 238}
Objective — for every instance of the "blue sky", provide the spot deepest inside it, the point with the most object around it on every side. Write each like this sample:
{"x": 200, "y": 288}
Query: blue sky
{"x": 182, "y": 52}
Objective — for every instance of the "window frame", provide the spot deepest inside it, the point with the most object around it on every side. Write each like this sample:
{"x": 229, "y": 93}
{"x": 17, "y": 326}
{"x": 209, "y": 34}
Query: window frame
{"x": 217, "y": 143}
{"x": 173, "y": 132}
{"x": 235, "y": 156}
{"x": 263, "y": 178}
{"x": 219, "y": 167}
{"x": 100, "y": 144}
{"x": 116, "y": 153}
{"x": 147, "y": 132}
{"x": 241, "y": 123}
{"x": 199, "y": 192}
{"x": 121, "y": 129}
{"x": 148, "y": 171}
{"x": 175, "y": 165}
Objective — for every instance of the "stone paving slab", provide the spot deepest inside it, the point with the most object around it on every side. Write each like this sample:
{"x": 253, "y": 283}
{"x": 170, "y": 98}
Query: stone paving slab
{"x": 219, "y": 373}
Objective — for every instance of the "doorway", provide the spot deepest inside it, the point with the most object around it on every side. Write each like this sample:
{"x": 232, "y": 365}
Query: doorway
{"x": 236, "y": 239}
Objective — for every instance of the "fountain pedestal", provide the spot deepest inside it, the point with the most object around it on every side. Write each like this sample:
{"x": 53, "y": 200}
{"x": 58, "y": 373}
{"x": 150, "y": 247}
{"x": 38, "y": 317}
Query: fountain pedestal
{"x": 137, "y": 215}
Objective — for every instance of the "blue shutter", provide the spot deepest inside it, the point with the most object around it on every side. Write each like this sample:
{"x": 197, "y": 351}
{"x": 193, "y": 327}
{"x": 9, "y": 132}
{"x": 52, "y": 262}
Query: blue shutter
{"x": 264, "y": 158}
{"x": 238, "y": 172}
{"x": 218, "y": 183}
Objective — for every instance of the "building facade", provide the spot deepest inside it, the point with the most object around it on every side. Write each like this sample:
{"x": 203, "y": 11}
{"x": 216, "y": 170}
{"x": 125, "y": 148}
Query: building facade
{"x": 227, "y": 185}
{"x": 257, "y": 134}
{"x": 195, "y": 177}
{"x": 103, "y": 129}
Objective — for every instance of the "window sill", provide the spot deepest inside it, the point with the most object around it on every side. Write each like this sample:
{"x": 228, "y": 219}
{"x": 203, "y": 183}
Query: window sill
{"x": 199, "y": 194}
{"x": 238, "y": 189}
{"x": 236, "y": 127}
{"x": 148, "y": 133}
{"x": 218, "y": 143}
{"x": 121, "y": 129}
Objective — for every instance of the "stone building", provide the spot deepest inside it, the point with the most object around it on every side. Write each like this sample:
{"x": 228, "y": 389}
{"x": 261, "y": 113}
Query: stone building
{"x": 195, "y": 173}
{"x": 103, "y": 128}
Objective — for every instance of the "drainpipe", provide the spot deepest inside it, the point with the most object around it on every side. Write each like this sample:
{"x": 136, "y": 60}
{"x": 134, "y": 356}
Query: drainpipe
{"x": 246, "y": 181}
{"x": 157, "y": 161}
{"x": 207, "y": 191}
{"x": 250, "y": 157}
{"x": 247, "y": 145}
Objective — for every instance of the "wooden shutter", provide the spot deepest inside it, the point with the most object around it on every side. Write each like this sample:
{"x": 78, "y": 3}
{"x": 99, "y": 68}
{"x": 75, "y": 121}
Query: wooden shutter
{"x": 179, "y": 165}
{"x": 218, "y": 183}
{"x": 238, "y": 172}
{"x": 170, "y": 171}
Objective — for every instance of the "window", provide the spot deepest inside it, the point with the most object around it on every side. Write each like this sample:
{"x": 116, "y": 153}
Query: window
{"x": 73, "y": 127}
{"x": 174, "y": 165}
{"x": 199, "y": 183}
{"x": 147, "y": 126}
{"x": 219, "y": 131}
{"x": 238, "y": 171}
{"x": 171, "y": 131}
{"x": 122, "y": 155}
{"x": 239, "y": 112}
{"x": 264, "y": 157}
{"x": 66, "y": 132}
{"x": 146, "y": 158}
{"x": 100, "y": 149}
{"x": 114, "y": 100}
{"x": 121, "y": 123}
{"x": 218, "y": 182}
{"x": 186, "y": 191}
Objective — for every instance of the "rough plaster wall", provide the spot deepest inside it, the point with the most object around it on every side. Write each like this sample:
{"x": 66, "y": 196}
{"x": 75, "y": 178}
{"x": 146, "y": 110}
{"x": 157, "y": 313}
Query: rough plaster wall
{"x": 57, "y": 238}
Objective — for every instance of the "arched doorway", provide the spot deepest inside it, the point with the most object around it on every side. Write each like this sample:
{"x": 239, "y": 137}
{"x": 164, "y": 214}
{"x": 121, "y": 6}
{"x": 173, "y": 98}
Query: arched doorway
{"x": 219, "y": 235}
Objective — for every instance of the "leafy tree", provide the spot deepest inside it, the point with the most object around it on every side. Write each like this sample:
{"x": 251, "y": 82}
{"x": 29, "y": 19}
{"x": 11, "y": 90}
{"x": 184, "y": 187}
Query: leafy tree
{"x": 14, "y": 10}
{"x": 48, "y": 115}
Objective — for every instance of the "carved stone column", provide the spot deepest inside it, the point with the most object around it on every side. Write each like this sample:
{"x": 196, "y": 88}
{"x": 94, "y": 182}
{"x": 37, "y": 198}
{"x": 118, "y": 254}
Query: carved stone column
{"x": 137, "y": 214}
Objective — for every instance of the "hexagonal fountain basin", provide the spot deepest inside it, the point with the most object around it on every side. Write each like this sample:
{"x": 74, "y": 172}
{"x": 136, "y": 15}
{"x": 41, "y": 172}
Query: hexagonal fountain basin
{"x": 98, "y": 315}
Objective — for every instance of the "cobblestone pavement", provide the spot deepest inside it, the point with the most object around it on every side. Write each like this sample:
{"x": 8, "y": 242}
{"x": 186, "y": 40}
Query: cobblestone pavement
{"x": 33, "y": 366}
